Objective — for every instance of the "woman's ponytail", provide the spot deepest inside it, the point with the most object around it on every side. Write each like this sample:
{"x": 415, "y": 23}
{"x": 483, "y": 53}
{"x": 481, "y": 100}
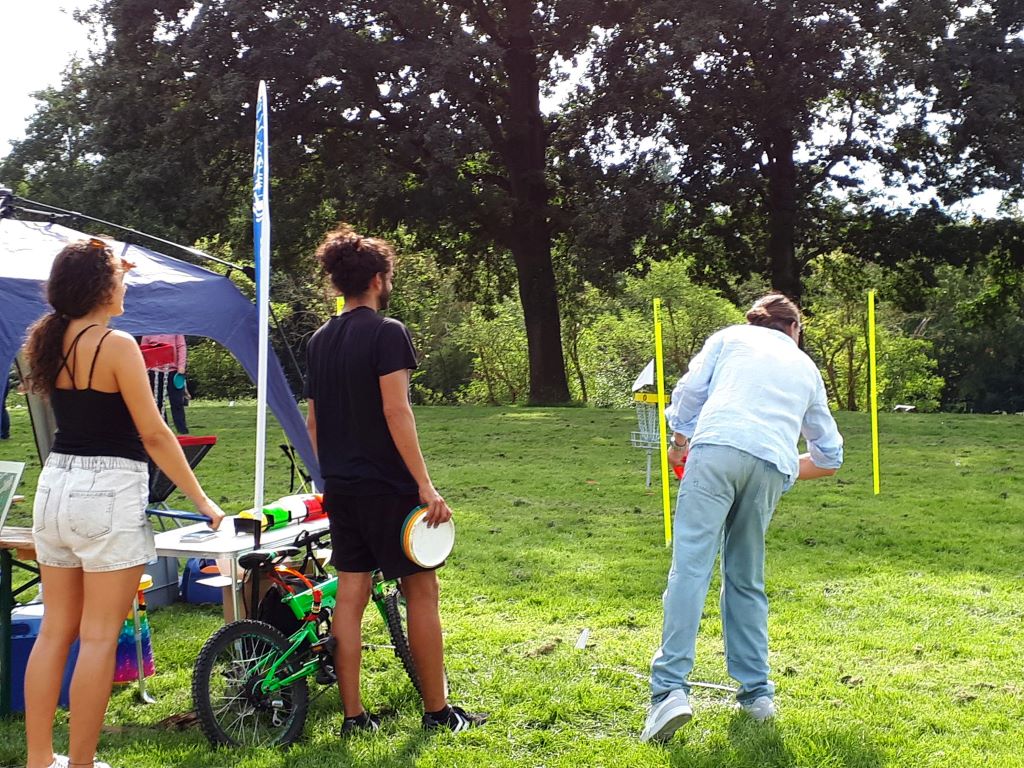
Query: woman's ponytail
{"x": 45, "y": 350}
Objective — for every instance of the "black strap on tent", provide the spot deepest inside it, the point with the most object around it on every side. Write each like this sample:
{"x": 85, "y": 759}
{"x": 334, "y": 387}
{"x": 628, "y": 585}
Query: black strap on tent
{"x": 18, "y": 204}
{"x": 6, "y": 203}
{"x": 10, "y": 204}
{"x": 305, "y": 480}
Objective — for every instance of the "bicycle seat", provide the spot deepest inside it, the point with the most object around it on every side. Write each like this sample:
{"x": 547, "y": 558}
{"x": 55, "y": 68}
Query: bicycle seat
{"x": 260, "y": 557}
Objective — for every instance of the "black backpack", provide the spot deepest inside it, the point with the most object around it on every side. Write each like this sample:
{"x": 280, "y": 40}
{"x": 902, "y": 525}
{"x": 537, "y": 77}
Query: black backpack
{"x": 273, "y": 610}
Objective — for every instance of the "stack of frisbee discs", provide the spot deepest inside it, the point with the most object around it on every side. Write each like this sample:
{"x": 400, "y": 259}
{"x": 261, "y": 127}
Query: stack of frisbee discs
{"x": 427, "y": 547}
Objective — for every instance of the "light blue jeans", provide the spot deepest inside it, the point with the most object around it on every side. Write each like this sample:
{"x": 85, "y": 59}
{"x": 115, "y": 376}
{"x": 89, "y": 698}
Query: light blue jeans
{"x": 727, "y": 498}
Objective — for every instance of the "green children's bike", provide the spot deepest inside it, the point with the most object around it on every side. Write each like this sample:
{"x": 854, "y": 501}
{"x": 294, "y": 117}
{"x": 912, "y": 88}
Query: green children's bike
{"x": 250, "y": 682}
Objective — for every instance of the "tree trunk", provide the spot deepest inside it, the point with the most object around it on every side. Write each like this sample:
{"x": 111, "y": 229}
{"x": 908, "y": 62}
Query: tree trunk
{"x": 574, "y": 358}
{"x": 851, "y": 377}
{"x": 525, "y": 157}
{"x": 782, "y": 206}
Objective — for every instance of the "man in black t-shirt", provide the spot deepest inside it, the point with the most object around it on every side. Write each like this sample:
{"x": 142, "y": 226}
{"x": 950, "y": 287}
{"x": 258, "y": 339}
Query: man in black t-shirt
{"x": 362, "y": 427}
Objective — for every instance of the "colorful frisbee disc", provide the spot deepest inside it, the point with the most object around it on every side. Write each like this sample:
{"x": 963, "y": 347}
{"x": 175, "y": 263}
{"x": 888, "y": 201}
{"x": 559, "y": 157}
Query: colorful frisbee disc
{"x": 425, "y": 546}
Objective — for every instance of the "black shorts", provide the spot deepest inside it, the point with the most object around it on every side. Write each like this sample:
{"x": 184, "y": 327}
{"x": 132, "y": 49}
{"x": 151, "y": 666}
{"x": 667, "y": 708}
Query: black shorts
{"x": 366, "y": 533}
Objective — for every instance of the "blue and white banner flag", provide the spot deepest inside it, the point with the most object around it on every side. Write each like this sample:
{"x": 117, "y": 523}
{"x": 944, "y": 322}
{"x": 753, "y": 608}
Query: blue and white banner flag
{"x": 261, "y": 190}
{"x": 261, "y": 245}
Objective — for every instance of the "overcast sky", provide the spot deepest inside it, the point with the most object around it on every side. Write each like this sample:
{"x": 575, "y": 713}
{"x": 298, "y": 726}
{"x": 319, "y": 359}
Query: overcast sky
{"x": 37, "y": 39}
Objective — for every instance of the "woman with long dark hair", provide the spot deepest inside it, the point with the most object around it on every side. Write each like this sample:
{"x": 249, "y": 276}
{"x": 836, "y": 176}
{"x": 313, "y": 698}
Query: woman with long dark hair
{"x": 740, "y": 411}
{"x": 89, "y": 518}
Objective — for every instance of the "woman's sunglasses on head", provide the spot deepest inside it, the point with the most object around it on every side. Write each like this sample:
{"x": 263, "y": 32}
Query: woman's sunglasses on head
{"x": 124, "y": 266}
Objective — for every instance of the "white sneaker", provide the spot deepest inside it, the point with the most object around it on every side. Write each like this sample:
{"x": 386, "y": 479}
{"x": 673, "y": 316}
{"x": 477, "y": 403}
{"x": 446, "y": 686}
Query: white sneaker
{"x": 666, "y": 717}
{"x": 762, "y": 708}
{"x": 62, "y": 761}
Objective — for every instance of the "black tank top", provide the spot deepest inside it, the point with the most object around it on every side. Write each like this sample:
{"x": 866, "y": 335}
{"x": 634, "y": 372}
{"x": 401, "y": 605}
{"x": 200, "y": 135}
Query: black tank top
{"x": 90, "y": 422}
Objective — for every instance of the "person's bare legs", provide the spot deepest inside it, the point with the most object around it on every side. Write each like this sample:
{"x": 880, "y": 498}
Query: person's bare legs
{"x": 62, "y": 601}
{"x": 421, "y": 592}
{"x": 353, "y": 595}
{"x": 107, "y": 598}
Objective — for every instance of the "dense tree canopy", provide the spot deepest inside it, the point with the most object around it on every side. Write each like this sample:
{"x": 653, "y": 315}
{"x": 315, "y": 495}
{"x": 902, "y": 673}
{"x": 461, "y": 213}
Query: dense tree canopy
{"x": 409, "y": 112}
{"x": 977, "y": 77}
{"x": 762, "y": 107}
{"x": 736, "y": 132}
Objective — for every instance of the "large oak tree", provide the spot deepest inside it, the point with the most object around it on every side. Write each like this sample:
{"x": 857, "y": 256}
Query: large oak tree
{"x": 397, "y": 113}
{"x": 763, "y": 108}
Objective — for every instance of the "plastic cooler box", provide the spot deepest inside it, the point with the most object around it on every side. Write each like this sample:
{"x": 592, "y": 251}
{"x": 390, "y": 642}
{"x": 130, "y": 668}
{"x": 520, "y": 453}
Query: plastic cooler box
{"x": 194, "y": 592}
{"x": 25, "y": 623}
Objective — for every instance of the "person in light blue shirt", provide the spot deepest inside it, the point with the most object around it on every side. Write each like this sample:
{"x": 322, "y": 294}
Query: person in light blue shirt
{"x": 736, "y": 418}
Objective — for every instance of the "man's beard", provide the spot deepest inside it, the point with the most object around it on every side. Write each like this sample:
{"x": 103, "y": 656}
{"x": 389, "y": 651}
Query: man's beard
{"x": 383, "y": 300}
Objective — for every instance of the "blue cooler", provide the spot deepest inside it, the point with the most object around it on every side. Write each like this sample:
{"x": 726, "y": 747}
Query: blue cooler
{"x": 25, "y": 623}
{"x": 193, "y": 592}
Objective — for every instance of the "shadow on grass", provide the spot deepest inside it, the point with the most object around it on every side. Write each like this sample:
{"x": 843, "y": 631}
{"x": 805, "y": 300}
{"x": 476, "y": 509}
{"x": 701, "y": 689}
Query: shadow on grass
{"x": 778, "y": 745}
{"x": 362, "y": 751}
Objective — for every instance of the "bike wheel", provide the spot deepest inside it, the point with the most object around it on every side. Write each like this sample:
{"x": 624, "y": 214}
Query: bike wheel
{"x": 225, "y": 688}
{"x": 394, "y": 611}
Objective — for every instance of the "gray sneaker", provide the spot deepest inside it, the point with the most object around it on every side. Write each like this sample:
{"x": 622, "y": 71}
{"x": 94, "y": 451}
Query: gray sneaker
{"x": 666, "y": 717}
{"x": 762, "y": 708}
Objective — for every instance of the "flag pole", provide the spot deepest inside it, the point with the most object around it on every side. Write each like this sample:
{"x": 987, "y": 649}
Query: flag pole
{"x": 261, "y": 245}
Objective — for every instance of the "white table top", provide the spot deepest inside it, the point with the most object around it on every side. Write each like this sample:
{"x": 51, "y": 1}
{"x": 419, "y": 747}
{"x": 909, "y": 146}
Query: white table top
{"x": 226, "y": 543}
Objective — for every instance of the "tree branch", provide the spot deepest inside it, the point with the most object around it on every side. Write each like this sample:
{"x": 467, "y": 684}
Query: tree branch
{"x": 837, "y": 154}
{"x": 478, "y": 12}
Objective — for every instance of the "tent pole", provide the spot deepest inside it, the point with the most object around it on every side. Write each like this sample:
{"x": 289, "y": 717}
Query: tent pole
{"x": 55, "y": 210}
{"x": 6, "y": 208}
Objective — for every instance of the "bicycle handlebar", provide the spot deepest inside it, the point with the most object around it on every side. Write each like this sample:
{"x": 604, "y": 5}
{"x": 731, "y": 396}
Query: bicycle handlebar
{"x": 307, "y": 539}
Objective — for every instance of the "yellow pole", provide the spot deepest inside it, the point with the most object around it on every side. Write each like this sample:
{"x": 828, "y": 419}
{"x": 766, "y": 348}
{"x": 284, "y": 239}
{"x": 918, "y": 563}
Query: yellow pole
{"x": 659, "y": 375}
{"x": 874, "y": 389}
{"x": 339, "y": 304}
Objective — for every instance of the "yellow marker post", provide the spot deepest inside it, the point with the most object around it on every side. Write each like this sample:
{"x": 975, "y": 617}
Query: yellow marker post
{"x": 659, "y": 374}
{"x": 874, "y": 388}
{"x": 339, "y": 304}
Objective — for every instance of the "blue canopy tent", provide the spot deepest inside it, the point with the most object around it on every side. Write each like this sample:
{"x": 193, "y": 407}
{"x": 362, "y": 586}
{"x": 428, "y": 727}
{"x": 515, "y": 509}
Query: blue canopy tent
{"x": 165, "y": 295}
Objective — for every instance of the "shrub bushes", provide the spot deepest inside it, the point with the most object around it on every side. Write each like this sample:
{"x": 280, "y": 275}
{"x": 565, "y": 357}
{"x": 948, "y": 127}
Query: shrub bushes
{"x": 214, "y": 373}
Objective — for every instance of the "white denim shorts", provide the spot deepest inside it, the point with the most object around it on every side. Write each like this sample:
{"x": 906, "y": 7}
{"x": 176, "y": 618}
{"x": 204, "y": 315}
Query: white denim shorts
{"x": 90, "y": 513}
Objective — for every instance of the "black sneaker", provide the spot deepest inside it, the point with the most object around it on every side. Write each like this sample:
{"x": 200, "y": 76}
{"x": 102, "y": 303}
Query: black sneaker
{"x": 455, "y": 719}
{"x": 361, "y": 722}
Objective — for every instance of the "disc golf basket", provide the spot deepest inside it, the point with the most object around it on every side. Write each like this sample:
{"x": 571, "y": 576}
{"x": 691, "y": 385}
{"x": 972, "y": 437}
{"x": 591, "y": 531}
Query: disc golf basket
{"x": 647, "y": 436}
{"x": 648, "y": 433}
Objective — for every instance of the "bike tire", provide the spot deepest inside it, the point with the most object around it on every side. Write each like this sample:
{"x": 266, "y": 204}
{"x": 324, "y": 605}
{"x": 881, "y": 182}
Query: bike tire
{"x": 228, "y": 713}
{"x": 394, "y": 614}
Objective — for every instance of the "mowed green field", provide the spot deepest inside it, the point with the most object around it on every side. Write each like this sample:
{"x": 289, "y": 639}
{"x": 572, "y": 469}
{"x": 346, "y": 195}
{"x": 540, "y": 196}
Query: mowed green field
{"x": 897, "y": 624}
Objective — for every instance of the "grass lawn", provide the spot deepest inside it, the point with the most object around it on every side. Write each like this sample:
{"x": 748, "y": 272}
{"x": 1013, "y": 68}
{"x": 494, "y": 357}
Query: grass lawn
{"x": 896, "y": 627}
